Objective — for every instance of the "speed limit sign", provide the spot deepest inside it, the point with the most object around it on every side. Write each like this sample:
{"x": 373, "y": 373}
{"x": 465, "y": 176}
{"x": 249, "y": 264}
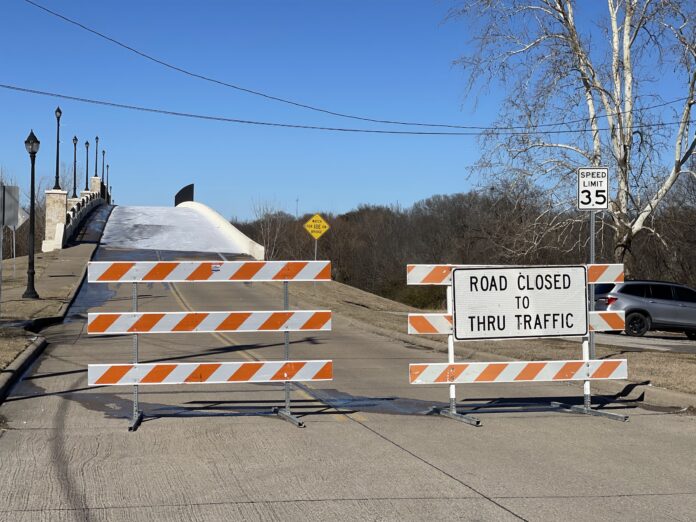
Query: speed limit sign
{"x": 593, "y": 188}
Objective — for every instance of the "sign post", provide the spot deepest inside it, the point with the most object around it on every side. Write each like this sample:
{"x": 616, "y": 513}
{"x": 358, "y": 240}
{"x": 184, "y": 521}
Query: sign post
{"x": 593, "y": 192}
{"x": 316, "y": 226}
{"x": 9, "y": 208}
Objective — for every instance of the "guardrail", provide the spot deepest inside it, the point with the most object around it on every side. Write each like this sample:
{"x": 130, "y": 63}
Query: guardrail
{"x": 66, "y": 223}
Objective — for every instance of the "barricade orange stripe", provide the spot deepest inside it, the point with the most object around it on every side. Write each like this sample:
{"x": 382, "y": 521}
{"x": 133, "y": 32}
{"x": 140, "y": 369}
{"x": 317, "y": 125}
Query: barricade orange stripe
{"x": 594, "y": 272}
{"x": 415, "y": 370}
{"x": 179, "y": 271}
{"x": 234, "y": 321}
{"x": 441, "y": 274}
{"x": 517, "y": 371}
{"x": 451, "y": 373}
{"x": 158, "y": 373}
{"x": 209, "y": 373}
{"x": 530, "y": 371}
{"x": 189, "y": 322}
{"x": 606, "y": 369}
{"x": 614, "y": 320}
{"x": 203, "y": 372}
{"x": 202, "y": 322}
{"x": 491, "y": 372}
{"x": 160, "y": 271}
{"x": 287, "y": 371}
{"x": 275, "y": 321}
{"x": 568, "y": 370}
{"x": 246, "y": 372}
{"x": 102, "y": 323}
{"x": 114, "y": 374}
{"x": 326, "y": 372}
{"x": 247, "y": 271}
{"x": 290, "y": 270}
{"x": 325, "y": 273}
{"x": 422, "y": 325}
{"x": 116, "y": 271}
{"x": 317, "y": 321}
{"x": 146, "y": 323}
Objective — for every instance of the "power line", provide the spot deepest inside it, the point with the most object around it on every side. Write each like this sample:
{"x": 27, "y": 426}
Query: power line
{"x": 311, "y": 107}
{"x": 299, "y": 126}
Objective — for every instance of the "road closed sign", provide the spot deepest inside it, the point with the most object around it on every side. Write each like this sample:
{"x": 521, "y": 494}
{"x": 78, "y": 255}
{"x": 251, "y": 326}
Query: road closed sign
{"x": 518, "y": 302}
{"x": 593, "y": 188}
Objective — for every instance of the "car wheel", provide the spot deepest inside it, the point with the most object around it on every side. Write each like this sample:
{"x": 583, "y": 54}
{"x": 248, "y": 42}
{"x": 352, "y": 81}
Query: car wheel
{"x": 691, "y": 334}
{"x": 637, "y": 324}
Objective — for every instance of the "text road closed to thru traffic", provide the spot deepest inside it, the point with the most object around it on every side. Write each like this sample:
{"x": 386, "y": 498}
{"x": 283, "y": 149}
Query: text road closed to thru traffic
{"x": 516, "y": 302}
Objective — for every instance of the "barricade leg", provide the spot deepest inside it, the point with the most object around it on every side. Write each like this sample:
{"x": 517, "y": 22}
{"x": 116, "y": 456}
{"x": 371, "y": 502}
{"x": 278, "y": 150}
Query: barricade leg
{"x": 586, "y": 408}
{"x": 137, "y": 414}
{"x": 452, "y": 413}
{"x": 285, "y": 413}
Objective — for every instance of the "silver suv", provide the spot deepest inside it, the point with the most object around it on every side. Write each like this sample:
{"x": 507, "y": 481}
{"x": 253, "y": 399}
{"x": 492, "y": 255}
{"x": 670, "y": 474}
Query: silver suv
{"x": 650, "y": 305}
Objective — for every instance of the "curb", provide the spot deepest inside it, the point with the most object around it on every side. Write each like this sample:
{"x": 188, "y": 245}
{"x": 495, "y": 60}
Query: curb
{"x": 14, "y": 371}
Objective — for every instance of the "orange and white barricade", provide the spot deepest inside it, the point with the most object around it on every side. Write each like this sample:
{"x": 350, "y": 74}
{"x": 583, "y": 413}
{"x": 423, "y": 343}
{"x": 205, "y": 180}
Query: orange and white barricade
{"x": 453, "y": 373}
{"x": 136, "y": 323}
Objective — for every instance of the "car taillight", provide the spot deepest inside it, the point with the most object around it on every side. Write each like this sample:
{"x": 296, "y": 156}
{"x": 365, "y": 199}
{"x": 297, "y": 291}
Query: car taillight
{"x": 612, "y": 300}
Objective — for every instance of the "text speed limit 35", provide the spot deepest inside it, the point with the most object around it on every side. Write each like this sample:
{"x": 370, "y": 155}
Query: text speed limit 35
{"x": 593, "y": 188}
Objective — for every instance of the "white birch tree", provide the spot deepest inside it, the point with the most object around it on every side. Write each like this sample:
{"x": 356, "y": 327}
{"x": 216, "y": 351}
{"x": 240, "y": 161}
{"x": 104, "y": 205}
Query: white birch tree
{"x": 608, "y": 81}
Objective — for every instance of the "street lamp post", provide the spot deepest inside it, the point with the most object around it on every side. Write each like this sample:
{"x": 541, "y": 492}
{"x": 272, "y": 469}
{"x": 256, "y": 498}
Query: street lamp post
{"x": 74, "y": 171}
{"x": 103, "y": 159}
{"x": 108, "y": 195}
{"x": 59, "y": 113}
{"x": 87, "y": 166}
{"x": 32, "y": 146}
{"x": 96, "y": 155}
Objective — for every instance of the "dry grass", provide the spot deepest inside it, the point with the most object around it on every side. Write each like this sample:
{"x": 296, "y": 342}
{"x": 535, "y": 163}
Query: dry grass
{"x": 12, "y": 343}
{"x": 674, "y": 371}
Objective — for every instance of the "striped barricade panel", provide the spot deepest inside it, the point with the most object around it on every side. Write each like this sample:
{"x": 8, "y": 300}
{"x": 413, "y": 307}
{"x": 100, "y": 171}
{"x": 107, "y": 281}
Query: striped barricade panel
{"x": 537, "y": 371}
{"x": 605, "y": 274}
{"x": 198, "y": 271}
{"x": 182, "y": 322}
{"x": 422, "y": 324}
{"x": 442, "y": 274}
{"x": 607, "y": 321}
{"x": 435, "y": 324}
{"x": 209, "y": 373}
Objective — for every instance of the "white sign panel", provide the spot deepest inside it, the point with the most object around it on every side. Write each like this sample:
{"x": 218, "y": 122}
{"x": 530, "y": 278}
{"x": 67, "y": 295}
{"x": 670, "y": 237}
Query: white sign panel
{"x": 593, "y": 188}
{"x": 9, "y": 205}
{"x": 517, "y": 302}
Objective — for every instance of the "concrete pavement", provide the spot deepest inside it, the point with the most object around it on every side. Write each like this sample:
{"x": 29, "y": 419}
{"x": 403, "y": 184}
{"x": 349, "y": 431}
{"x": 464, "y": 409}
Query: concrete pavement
{"x": 370, "y": 450}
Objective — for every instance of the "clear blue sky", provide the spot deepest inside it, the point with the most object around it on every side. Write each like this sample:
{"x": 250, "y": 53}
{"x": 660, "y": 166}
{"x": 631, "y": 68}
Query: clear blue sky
{"x": 387, "y": 59}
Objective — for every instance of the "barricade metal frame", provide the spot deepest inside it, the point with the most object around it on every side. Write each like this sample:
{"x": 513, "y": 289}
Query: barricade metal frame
{"x": 209, "y": 271}
{"x": 439, "y": 323}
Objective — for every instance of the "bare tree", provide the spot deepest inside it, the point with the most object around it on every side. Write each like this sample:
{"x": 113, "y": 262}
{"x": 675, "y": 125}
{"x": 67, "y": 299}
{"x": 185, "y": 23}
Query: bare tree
{"x": 269, "y": 221}
{"x": 599, "y": 83}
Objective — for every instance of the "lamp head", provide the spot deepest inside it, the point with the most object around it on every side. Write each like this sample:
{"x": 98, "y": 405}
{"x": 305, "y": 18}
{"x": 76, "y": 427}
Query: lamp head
{"x": 32, "y": 143}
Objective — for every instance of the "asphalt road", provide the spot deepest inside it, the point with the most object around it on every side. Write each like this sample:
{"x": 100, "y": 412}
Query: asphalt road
{"x": 370, "y": 450}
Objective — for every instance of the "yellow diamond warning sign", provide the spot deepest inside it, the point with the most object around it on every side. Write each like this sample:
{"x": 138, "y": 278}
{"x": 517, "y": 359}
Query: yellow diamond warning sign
{"x": 316, "y": 226}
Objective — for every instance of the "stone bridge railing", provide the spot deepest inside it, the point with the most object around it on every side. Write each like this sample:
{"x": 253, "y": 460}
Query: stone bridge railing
{"x": 64, "y": 215}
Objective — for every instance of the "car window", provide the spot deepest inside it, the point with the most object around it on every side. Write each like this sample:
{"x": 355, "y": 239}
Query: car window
{"x": 603, "y": 288}
{"x": 636, "y": 290}
{"x": 685, "y": 294}
{"x": 661, "y": 292}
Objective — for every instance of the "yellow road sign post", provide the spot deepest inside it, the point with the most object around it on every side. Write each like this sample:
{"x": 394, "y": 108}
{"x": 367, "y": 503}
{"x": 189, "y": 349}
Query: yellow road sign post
{"x": 316, "y": 226}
